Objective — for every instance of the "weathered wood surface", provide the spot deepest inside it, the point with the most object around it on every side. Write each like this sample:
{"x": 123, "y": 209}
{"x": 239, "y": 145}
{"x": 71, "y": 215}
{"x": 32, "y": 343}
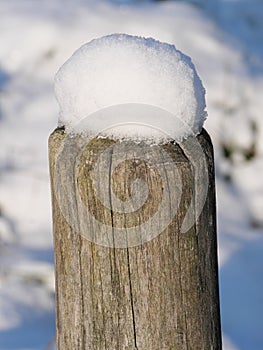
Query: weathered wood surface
{"x": 157, "y": 295}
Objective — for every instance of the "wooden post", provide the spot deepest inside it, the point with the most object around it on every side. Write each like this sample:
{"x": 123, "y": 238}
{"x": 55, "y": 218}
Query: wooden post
{"x": 127, "y": 276}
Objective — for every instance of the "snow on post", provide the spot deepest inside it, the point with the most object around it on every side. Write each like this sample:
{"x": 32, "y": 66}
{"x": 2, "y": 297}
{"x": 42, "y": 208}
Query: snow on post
{"x": 133, "y": 196}
{"x": 123, "y": 69}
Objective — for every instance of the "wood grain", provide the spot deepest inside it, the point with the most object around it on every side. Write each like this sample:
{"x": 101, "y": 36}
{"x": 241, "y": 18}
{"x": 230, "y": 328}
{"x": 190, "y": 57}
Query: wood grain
{"x": 161, "y": 294}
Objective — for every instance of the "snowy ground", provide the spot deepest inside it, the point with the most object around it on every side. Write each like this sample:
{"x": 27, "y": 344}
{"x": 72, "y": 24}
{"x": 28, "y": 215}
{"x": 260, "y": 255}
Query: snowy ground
{"x": 224, "y": 39}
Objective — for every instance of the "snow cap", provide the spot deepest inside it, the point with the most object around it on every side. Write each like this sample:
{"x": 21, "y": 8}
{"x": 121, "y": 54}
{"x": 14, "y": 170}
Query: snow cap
{"x": 130, "y": 87}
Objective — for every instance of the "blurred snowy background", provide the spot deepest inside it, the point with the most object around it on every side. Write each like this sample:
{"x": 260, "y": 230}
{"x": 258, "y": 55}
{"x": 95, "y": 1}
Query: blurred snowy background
{"x": 225, "y": 41}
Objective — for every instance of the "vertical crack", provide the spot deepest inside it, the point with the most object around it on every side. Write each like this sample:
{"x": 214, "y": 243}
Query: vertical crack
{"x": 131, "y": 297}
{"x": 110, "y": 198}
{"x": 83, "y": 330}
{"x": 81, "y": 340}
{"x": 114, "y": 270}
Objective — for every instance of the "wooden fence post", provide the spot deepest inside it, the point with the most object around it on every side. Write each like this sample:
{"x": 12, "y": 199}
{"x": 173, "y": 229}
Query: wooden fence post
{"x": 123, "y": 279}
